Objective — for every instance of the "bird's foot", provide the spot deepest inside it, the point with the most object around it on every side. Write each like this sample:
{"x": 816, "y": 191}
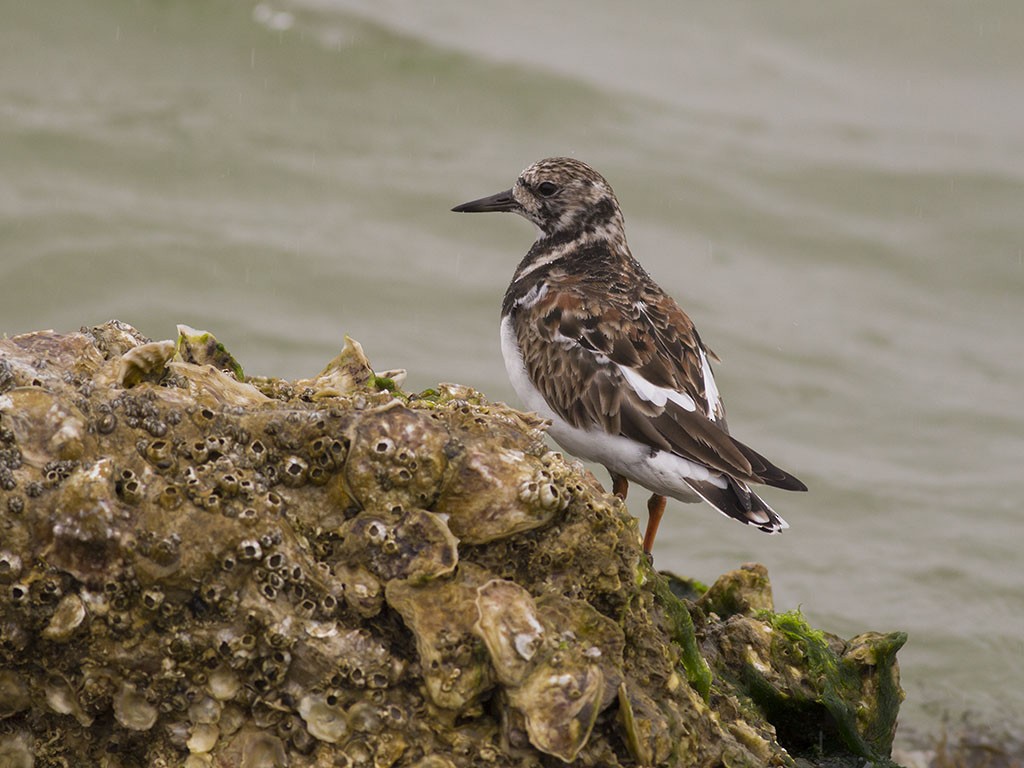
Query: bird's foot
{"x": 620, "y": 486}
{"x": 655, "y": 509}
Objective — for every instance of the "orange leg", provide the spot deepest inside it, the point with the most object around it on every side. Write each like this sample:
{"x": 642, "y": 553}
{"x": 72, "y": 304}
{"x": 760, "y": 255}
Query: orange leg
{"x": 620, "y": 486}
{"x": 655, "y": 509}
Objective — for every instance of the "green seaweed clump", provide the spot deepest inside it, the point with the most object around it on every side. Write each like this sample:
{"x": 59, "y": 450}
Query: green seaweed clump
{"x": 827, "y": 698}
{"x": 203, "y": 569}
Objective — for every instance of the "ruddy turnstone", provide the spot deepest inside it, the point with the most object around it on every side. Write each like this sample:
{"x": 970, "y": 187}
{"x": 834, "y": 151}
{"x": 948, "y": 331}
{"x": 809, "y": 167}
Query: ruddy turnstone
{"x": 592, "y": 343}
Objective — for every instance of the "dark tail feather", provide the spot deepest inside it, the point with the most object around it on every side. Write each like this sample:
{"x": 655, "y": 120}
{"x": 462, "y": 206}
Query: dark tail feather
{"x": 766, "y": 472}
{"x": 737, "y": 501}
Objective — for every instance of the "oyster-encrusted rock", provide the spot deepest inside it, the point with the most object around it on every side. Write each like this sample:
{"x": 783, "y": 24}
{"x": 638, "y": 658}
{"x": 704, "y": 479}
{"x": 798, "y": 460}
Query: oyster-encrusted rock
{"x": 203, "y": 569}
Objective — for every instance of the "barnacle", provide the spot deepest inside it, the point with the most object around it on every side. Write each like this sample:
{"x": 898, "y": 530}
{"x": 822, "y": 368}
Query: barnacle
{"x": 294, "y": 471}
{"x": 10, "y": 566}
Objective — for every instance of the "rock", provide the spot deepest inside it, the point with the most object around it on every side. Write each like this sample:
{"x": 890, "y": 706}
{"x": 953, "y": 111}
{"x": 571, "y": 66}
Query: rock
{"x": 203, "y": 569}
{"x": 745, "y": 591}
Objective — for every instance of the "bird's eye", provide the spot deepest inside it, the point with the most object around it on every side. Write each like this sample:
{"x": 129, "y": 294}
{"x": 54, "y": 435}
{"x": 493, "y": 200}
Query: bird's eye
{"x": 547, "y": 188}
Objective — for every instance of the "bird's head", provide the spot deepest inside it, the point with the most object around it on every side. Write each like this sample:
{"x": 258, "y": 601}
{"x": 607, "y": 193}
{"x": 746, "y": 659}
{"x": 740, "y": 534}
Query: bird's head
{"x": 559, "y": 195}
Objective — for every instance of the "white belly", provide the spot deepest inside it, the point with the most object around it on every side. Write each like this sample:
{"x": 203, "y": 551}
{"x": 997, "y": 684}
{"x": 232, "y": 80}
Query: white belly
{"x": 658, "y": 471}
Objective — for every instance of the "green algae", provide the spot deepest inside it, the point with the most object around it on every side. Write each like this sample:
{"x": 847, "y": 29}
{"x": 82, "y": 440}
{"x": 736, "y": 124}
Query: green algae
{"x": 384, "y": 384}
{"x": 836, "y": 675}
{"x": 698, "y": 673}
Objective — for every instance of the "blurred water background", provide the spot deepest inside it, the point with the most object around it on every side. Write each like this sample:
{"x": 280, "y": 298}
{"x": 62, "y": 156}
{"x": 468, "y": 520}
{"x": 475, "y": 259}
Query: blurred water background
{"x": 834, "y": 191}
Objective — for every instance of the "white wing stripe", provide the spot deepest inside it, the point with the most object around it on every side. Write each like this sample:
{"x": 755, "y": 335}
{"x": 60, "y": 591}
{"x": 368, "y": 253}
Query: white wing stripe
{"x": 654, "y": 394}
{"x": 710, "y": 388}
{"x": 532, "y": 296}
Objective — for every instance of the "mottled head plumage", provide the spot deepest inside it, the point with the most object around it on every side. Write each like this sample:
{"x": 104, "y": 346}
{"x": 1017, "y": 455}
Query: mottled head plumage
{"x": 560, "y": 195}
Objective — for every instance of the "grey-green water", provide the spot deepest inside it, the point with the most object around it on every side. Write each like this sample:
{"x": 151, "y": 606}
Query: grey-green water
{"x": 834, "y": 191}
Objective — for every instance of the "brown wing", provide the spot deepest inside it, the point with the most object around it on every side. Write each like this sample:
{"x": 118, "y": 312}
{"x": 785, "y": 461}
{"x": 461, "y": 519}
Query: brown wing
{"x": 586, "y": 366}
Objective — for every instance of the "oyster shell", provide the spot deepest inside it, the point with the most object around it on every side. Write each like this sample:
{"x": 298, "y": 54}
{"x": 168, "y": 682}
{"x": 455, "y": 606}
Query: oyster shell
{"x": 559, "y": 660}
{"x": 441, "y": 615}
{"x": 400, "y": 544}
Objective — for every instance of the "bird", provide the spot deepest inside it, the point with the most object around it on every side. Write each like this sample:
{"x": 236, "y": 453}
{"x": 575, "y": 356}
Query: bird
{"x": 594, "y": 345}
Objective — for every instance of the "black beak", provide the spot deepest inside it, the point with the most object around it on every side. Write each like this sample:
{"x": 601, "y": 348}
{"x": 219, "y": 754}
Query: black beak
{"x": 503, "y": 201}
